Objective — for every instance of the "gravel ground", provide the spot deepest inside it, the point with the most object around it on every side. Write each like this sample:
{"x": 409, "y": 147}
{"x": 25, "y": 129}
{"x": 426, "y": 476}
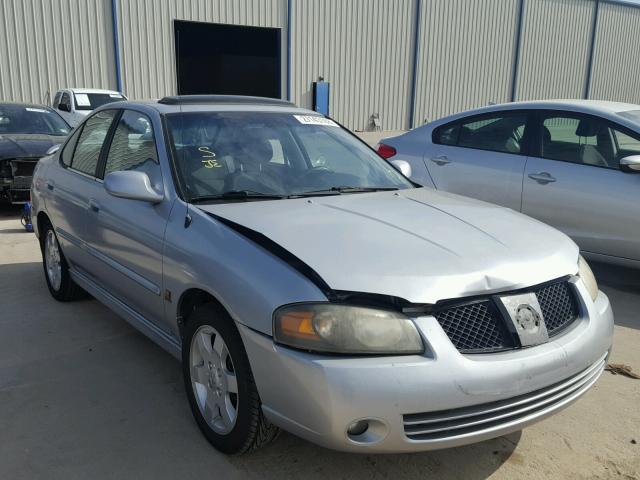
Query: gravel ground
{"x": 84, "y": 396}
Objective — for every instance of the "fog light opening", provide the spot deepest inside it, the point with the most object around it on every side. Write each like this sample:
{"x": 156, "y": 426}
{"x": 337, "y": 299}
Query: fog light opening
{"x": 366, "y": 431}
{"x": 358, "y": 428}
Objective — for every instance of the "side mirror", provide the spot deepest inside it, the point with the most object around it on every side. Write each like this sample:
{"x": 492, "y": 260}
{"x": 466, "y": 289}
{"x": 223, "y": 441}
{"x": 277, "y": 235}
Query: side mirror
{"x": 65, "y": 107}
{"x": 630, "y": 164}
{"x": 53, "y": 149}
{"x": 402, "y": 166}
{"x": 132, "y": 185}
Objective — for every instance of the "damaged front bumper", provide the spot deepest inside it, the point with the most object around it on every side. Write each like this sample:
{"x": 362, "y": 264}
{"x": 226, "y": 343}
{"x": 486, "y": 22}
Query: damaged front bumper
{"x": 15, "y": 179}
{"x": 437, "y": 400}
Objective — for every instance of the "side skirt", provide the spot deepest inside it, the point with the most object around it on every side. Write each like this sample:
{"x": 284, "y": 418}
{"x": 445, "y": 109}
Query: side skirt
{"x": 136, "y": 320}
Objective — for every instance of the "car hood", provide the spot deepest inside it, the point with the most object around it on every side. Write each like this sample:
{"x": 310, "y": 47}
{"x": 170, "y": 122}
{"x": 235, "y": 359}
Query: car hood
{"x": 27, "y": 145}
{"x": 420, "y": 245}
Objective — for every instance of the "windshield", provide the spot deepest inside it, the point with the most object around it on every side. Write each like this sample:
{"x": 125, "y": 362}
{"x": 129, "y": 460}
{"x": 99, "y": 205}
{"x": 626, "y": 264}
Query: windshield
{"x": 16, "y": 119}
{"x": 90, "y": 101}
{"x": 276, "y": 154}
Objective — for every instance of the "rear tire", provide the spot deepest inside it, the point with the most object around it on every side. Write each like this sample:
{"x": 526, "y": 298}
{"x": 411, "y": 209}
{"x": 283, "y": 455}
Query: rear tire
{"x": 220, "y": 387}
{"x": 56, "y": 269}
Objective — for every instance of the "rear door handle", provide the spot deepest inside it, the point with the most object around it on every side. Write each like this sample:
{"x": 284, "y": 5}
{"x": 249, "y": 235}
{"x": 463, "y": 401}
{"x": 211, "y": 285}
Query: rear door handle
{"x": 440, "y": 160}
{"x": 50, "y": 186}
{"x": 542, "y": 177}
{"x": 94, "y": 206}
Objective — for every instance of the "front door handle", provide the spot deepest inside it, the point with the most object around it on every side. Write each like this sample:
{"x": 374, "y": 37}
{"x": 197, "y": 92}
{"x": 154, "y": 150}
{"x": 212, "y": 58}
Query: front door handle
{"x": 542, "y": 177}
{"x": 94, "y": 205}
{"x": 441, "y": 160}
{"x": 50, "y": 186}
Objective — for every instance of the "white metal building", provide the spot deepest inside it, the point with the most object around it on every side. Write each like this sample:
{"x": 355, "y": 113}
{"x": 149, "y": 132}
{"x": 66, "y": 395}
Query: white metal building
{"x": 406, "y": 60}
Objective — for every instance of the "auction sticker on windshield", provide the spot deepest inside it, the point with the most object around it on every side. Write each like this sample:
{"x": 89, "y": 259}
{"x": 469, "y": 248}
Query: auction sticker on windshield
{"x": 315, "y": 120}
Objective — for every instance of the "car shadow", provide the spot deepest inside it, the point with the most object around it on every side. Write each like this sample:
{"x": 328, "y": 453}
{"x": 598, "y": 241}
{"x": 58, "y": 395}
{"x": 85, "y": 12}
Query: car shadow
{"x": 292, "y": 457}
{"x": 622, "y": 286}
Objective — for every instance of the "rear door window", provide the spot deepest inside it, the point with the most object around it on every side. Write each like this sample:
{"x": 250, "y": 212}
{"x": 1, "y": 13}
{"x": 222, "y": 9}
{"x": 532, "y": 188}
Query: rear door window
{"x": 94, "y": 132}
{"x": 496, "y": 131}
{"x": 67, "y": 152}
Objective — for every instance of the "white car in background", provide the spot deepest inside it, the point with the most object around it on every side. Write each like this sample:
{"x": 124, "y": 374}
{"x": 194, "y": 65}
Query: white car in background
{"x": 73, "y": 104}
{"x": 573, "y": 164}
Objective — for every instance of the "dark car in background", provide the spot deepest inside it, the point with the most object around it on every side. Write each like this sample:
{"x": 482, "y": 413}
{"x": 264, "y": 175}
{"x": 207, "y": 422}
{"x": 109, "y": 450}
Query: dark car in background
{"x": 27, "y": 132}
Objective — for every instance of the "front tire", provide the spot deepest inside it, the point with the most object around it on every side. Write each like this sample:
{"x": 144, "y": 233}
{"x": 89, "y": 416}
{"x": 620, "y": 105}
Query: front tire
{"x": 56, "y": 270}
{"x": 220, "y": 387}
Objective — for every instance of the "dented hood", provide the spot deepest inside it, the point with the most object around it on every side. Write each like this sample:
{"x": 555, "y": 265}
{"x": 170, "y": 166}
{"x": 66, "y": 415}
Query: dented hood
{"x": 420, "y": 245}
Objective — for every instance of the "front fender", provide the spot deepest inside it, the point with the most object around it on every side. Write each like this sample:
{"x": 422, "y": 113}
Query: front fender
{"x": 246, "y": 279}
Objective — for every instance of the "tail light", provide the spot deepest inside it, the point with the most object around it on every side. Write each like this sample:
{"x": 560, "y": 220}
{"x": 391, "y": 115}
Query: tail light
{"x": 386, "y": 151}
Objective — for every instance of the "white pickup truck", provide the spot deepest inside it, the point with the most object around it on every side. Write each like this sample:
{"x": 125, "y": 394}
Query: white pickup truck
{"x": 73, "y": 104}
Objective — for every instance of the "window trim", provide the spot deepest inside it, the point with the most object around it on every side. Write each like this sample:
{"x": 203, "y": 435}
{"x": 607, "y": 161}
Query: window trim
{"x": 537, "y": 133}
{"x": 75, "y": 170}
{"x": 526, "y": 149}
{"x": 102, "y": 164}
{"x": 67, "y": 144}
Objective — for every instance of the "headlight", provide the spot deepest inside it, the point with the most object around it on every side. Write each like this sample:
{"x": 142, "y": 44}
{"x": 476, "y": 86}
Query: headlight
{"x": 324, "y": 327}
{"x": 588, "y": 278}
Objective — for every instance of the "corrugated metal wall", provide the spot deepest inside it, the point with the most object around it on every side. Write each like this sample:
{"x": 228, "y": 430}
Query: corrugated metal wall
{"x": 45, "y": 46}
{"x": 616, "y": 60}
{"x": 466, "y": 55}
{"x": 364, "y": 48}
{"x": 147, "y": 37}
{"x": 556, "y": 37}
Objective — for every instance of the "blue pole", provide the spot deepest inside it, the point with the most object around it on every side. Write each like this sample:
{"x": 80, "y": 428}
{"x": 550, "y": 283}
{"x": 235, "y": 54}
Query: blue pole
{"x": 289, "y": 50}
{"x": 116, "y": 43}
{"x": 416, "y": 51}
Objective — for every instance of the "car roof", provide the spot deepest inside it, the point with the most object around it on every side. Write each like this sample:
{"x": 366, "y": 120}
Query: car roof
{"x": 592, "y": 105}
{"x": 602, "y": 108}
{"x": 25, "y": 105}
{"x": 91, "y": 90}
{"x": 216, "y": 103}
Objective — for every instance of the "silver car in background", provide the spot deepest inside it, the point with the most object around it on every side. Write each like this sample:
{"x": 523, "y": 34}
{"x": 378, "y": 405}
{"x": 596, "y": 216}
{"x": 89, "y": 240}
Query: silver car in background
{"x": 306, "y": 284}
{"x": 574, "y": 164}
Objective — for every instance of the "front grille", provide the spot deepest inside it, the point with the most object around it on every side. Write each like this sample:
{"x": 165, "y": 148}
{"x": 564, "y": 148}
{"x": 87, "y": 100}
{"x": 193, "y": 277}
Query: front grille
{"x": 23, "y": 167}
{"x": 448, "y": 425}
{"x": 558, "y": 305}
{"x": 475, "y": 327}
{"x": 479, "y": 327}
{"x": 21, "y": 183}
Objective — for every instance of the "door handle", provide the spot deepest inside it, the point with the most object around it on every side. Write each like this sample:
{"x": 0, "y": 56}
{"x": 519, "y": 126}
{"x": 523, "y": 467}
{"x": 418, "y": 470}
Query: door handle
{"x": 94, "y": 206}
{"x": 50, "y": 186}
{"x": 542, "y": 177}
{"x": 440, "y": 160}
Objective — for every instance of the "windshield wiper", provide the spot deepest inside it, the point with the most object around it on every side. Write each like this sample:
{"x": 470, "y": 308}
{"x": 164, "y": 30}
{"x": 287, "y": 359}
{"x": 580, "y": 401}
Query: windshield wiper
{"x": 340, "y": 190}
{"x": 237, "y": 195}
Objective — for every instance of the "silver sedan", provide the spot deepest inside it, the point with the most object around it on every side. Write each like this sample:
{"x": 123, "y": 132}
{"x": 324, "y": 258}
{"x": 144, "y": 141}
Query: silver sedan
{"x": 574, "y": 164}
{"x": 307, "y": 285}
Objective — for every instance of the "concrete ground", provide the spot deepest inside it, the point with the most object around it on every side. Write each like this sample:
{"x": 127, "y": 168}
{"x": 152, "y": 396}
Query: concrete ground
{"x": 84, "y": 396}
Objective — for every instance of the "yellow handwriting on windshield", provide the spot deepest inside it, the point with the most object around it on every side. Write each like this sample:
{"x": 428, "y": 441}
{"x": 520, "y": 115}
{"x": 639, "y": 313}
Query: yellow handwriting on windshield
{"x": 209, "y": 158}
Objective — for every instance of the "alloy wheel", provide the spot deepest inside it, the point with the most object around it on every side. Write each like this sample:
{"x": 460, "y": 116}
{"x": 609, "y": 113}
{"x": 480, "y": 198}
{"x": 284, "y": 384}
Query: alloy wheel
{"x": 213, "y": 379}
{"x": 53, "y": 260}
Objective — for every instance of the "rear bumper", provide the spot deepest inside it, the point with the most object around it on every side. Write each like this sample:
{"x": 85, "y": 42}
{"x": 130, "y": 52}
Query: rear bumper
{"x": 437, "y": 400}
